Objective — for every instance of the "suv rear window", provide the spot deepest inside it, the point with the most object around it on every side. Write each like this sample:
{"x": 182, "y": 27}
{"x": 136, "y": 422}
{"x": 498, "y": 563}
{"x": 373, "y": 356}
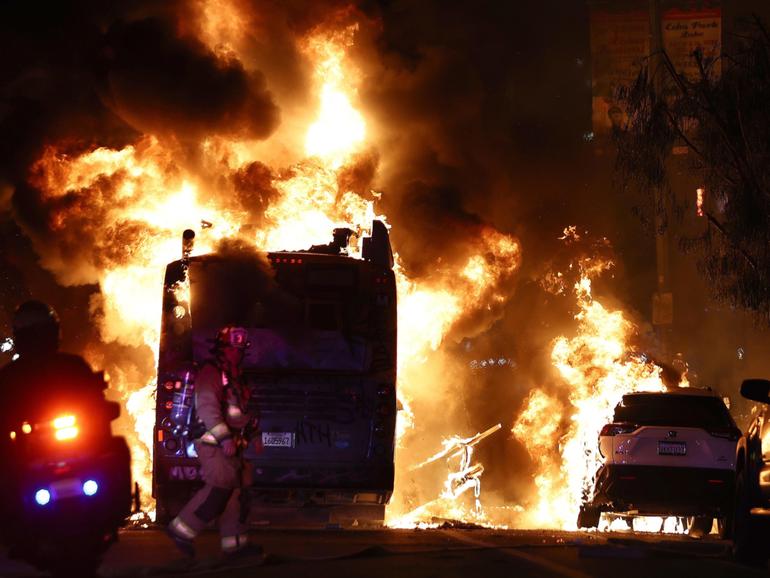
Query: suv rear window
{"x": 674, "y": 410}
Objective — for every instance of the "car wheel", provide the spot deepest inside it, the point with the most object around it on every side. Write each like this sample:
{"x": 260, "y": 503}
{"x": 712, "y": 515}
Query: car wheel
{"x": 699, "y": 526}
{"x": 588, "y": 516}
{"x": 749, "y": 535}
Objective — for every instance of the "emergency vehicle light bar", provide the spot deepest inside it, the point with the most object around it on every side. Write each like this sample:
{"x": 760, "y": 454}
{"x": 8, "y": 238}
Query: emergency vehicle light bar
{"x": 65, "y": 427}
{"x": 68, "y": 489}
{"x": 42, "y": 497}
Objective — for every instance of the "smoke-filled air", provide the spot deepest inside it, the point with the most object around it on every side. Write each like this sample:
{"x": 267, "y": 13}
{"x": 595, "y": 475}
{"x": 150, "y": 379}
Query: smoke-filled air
{"x": 271, "y": 125}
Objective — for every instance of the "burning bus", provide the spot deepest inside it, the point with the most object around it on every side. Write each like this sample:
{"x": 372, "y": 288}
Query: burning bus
{"x": 321, "y": 370}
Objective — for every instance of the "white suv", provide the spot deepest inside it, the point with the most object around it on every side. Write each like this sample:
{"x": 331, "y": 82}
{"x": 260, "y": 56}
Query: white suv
{"x": 667, "y": 454}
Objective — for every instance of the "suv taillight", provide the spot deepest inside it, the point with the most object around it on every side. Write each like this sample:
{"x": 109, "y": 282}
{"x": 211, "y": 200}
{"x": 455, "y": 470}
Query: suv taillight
{"x": 613, "y": 429}
{"x": 729, "y": 433}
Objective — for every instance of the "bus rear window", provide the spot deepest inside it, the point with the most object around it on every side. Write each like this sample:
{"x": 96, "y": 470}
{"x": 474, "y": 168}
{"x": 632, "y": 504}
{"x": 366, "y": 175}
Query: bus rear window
{"x": 331, "y": 276}
{"x": 224, "y": 293}
{"x": 323, "y": 316}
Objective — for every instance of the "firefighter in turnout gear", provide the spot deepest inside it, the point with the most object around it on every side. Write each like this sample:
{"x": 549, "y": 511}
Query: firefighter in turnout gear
{"x": 220, "y": 404}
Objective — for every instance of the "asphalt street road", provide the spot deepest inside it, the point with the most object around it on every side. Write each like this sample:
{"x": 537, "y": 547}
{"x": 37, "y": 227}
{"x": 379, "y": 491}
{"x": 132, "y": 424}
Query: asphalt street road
{"x": 445, "y": 553}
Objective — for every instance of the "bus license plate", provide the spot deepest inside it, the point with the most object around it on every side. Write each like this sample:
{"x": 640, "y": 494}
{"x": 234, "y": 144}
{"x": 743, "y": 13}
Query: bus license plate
{"x": 278, "y": 439}
{"x": 672, "y": 449}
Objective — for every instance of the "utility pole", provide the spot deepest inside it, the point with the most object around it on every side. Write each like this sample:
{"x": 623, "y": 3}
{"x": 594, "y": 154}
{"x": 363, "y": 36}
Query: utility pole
{"x": 662, "y": 299}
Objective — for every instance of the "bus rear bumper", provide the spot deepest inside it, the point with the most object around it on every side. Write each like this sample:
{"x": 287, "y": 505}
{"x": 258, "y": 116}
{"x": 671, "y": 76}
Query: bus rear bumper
{"x": 330, "y": 478}
{"x": 317, "y": 496}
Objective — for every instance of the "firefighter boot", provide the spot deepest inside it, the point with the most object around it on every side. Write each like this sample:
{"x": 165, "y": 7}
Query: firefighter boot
{"x": 183, "y": 544}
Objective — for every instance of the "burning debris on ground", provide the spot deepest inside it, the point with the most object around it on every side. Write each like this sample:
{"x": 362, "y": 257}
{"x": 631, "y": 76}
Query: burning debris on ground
{"x": 464, "y": 476}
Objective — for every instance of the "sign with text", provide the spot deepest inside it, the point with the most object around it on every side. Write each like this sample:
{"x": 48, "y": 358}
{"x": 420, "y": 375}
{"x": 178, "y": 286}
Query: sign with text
{"x": 685, "y": 31}
{"x": 620, "y": 43}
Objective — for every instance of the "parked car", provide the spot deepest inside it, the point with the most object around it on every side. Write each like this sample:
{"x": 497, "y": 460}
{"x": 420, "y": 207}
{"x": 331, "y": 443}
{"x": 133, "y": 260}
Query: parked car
{"x": 667, "y": 454}
{"x": 751, "y": 537}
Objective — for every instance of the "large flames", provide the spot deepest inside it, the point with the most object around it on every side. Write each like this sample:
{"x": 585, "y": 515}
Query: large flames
{"x": 339, "y": 128}
{"x": 131, "y": 205}
{"x": 134, "y": 202}
{"x": 560, "y": 429}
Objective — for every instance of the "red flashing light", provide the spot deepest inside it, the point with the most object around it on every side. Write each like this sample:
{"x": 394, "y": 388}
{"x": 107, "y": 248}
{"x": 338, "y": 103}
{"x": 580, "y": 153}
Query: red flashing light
{"x": 169, "y": 385}
{"x": 716, "y": 482}
{"x": 169, "y": 404}
{"x": 65, "y": 428}
{"x": 286, "y": 260}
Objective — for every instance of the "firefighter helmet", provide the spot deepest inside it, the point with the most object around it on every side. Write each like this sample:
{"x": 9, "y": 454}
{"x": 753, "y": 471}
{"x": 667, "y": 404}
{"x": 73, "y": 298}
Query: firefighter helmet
{"x": 232, "y": 336}
{"x": 35, "y": 328}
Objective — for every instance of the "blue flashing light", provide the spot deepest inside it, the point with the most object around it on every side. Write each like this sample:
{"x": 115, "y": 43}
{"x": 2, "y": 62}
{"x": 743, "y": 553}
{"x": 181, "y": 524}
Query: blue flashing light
{"x": 42, "y": 497}
{"x": 90, "y": 488}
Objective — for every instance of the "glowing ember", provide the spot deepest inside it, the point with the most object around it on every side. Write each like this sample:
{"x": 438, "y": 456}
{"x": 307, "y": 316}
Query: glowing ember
{"x": 699, "y": 196}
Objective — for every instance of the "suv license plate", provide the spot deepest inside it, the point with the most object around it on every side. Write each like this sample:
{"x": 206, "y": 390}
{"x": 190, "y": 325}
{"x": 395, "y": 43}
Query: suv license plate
{"x": 672, "y": 449}
{"x": 278, "y": 439}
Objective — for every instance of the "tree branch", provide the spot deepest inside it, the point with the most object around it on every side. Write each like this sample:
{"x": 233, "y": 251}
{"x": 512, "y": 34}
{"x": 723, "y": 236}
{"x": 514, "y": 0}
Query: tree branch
{"x": 740, "y": 164}
{"x": 721, "y": 229}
